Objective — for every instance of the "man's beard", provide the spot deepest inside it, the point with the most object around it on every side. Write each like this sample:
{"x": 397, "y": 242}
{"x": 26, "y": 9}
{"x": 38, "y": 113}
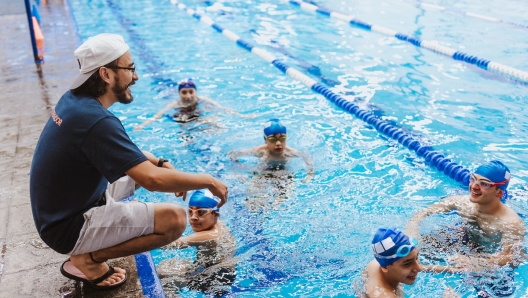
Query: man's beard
{"x": 120, "y": 92}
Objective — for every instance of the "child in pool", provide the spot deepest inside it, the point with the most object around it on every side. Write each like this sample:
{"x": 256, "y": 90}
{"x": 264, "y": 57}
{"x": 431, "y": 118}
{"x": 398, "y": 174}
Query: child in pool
{"x": 186, "y": 108}
{"x": 274, "y": 152}
{"x": 395, "y": 262}
{"x": 214, "y": 268}
{"x": 274, "y": 179}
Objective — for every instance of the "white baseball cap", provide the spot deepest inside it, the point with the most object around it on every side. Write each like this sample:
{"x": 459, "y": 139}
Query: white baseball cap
{"x": 97, "y": 51}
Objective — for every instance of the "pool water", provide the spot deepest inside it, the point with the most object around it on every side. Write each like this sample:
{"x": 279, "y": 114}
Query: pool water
{"x": 316, "y": 242}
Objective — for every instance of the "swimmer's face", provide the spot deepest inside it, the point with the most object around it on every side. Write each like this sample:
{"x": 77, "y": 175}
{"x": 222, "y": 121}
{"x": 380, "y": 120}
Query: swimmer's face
{"x": 276, "y": 148}
{"x": 201, "y": 223}
{"x": 404, "y": 270}
{"x": 481, "y": 195}
{"x": 188, "y": 95}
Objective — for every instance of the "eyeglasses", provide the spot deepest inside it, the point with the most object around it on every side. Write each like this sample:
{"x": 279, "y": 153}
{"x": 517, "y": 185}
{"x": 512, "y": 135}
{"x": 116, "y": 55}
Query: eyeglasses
{"x": 187, "y": 84}
{"x": 132, "y": 69}
{"x": 402, "y": 251}
{"x": 483, "y": 183}
{"x": 273, "y": 139}
{"x": 201, "y": 212}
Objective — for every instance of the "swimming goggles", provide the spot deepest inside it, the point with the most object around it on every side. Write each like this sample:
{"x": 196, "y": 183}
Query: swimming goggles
{"x": 273, "y": 139}
{"x": 483, "y": 183}
{"x": 201, "y": 212}
{"x": 187, "y": 84}
{"x": 402, "y": 251}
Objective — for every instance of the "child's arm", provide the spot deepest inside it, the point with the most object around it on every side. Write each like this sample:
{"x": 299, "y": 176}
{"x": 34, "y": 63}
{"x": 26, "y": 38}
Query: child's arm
{"x": 309, "y": 166}
{"x": 228, "y": 110}
{"x": 194, "y": 239}
{"x": 307, "y": 161}
{"x": 157, "y": 116}
{"x": 252, "y": 151}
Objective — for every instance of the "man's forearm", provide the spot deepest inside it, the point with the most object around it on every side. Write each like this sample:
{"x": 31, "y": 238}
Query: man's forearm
{"x": 174, "y": 181}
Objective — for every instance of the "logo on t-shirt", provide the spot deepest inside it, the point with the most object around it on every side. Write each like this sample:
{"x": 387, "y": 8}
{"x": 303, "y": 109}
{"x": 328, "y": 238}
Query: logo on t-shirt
{"x": 56, "y": 118}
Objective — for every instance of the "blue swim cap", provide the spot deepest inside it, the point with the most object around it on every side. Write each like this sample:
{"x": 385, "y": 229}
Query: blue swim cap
{"x": 273, "y": 127}
{"x": 495, "y": 171}
{"x": 203, "y": 198}
{"x": 390, "y": 245}
{"x": 187, "y": 83}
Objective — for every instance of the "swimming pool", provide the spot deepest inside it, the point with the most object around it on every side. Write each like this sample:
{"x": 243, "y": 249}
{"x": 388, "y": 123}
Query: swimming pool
{"x": 316, "y": 242}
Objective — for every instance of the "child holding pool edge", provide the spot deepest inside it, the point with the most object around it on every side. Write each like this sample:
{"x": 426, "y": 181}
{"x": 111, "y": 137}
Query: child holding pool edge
{"x": 215, "y": 265}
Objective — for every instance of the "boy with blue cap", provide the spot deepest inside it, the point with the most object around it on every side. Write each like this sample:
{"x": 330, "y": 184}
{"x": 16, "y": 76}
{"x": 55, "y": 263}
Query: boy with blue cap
{"x": 484, "y": 208}
{"x": 214, "y": 268}
{"x": 395, "y": 262}
{"x": 274, "y": 152}
{"x": 186, "y": 108}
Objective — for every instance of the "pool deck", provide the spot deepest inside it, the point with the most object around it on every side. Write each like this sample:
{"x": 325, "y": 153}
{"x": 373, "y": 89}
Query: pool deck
{"x": 28, "y": 268}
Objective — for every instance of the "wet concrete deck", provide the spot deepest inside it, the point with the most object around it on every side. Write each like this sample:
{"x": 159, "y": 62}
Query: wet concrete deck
{"x": 28, "y": 268}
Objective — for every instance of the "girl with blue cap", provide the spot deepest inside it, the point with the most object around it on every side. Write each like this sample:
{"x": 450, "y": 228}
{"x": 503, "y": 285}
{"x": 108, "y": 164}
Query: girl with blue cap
{"x": 497, "y": 229}
{"x": 395, "y": 262}
{"x": 214, "y": 268}
{"x": 186, "y": 108}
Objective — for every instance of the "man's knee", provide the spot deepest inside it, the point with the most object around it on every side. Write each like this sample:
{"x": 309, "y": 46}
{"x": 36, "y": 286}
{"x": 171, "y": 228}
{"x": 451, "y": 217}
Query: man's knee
{"x": 170, "y": 219}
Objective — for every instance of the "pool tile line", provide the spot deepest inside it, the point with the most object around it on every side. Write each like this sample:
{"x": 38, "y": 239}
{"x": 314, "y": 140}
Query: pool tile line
{"x": 505, "y": 70}
{"x": 433, "y": 158}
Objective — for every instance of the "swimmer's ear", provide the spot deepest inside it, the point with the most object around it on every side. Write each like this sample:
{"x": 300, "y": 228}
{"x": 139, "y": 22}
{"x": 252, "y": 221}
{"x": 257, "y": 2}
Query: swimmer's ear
{"x": 384, "y": 269}
{"x": 500, "y": 193}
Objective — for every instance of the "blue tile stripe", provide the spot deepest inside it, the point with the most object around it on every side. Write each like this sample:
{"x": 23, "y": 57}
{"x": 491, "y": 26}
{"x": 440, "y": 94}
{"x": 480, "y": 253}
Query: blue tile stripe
{"x": 433, "y": 158}
{"x": 150, "y": 282}
{"x": 505, "y": 70}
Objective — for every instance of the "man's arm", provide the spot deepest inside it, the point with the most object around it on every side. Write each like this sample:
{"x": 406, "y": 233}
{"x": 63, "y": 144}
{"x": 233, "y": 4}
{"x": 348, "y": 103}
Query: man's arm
{"x": 443, "y": 206}
{"x": 157, "y": 116}
{"x": 155, "y": 178}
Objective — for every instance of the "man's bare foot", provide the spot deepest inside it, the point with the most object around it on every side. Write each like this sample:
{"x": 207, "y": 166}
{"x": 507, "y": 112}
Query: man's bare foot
{"x": 93, "y": 270}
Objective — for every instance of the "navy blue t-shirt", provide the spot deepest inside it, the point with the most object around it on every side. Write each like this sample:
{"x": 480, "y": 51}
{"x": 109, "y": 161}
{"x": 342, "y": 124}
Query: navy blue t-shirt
{"x": 82, "y": 148}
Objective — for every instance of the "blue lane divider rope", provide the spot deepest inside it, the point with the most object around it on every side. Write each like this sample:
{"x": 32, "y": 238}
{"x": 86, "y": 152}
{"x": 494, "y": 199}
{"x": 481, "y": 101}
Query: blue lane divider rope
{"x": 469, "y": 14}
{"x": 457, "y": 55}
{"x": 150, "y": 282}
{"x": 434, "y": 158}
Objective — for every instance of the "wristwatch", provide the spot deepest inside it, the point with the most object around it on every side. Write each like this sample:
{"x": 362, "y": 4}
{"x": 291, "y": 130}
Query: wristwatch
{"x": 161, "y": 161}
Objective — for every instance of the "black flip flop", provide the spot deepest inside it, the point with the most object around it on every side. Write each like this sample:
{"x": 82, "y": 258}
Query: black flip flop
{"x": 70, "y": 271}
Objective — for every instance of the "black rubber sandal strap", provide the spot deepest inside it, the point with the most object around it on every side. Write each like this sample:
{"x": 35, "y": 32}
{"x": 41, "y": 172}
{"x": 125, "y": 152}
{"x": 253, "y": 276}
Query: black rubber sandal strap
{"x": 93, "y": 260}
{"x": 105, "y": 276}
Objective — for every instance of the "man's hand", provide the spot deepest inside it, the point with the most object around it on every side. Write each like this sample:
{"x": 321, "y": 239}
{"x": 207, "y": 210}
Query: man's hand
{"x": 182, "y": 194}
{"x": 219, "y": 189}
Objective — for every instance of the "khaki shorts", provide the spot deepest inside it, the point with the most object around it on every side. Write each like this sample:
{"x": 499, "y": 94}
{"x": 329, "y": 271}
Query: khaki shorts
{"x": 115, "y": 222}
